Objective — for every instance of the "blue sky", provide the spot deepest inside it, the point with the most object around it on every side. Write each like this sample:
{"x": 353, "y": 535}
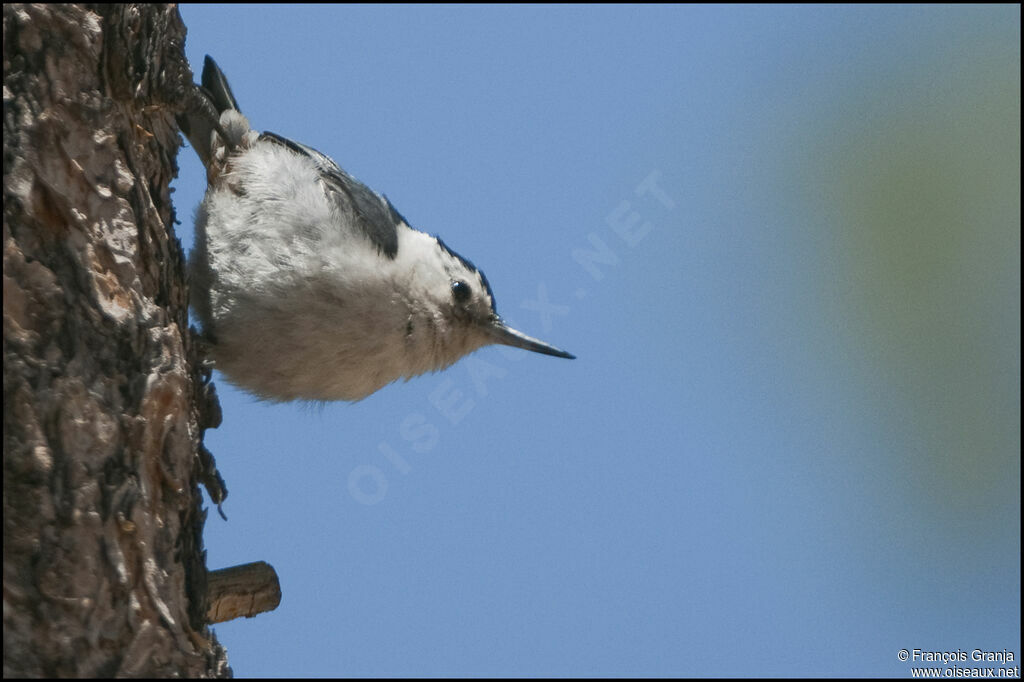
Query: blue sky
{"x": 784, "y": 243}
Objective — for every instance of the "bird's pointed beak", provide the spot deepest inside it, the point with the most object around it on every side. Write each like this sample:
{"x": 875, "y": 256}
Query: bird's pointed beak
{"x": 503, "y": 334}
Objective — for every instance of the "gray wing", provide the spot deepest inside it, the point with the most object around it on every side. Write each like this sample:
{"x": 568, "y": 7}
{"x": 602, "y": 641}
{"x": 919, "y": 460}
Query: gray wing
{"x": 375, "y": 215}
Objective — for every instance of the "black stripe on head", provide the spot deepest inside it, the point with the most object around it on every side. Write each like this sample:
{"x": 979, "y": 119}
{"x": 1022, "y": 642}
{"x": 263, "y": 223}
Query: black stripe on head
{"x": 472, "y": 268}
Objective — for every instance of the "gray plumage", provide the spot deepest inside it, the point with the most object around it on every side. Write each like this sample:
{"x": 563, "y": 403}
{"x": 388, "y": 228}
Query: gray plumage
{"x": 375, "y": 215}
{"x": 308, "y": 284}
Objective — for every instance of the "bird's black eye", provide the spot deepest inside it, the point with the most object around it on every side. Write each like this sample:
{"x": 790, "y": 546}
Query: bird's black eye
{"x": 461, "y": 291}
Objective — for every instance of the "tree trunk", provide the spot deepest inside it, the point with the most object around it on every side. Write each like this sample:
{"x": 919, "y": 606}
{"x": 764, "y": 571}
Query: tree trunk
{"x": 104, "y": 572}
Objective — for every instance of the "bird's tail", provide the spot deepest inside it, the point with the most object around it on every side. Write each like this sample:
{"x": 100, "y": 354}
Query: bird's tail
{"x": 216, "y": 84}
{"x": 209, "y": 114}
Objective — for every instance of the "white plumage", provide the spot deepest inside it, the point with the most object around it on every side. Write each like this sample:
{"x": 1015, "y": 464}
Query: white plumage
{"x": 311, "y": 286}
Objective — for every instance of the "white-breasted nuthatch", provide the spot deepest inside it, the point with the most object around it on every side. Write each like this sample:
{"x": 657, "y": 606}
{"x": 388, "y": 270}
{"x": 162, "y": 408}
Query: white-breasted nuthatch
{"x": 309, "y": 285}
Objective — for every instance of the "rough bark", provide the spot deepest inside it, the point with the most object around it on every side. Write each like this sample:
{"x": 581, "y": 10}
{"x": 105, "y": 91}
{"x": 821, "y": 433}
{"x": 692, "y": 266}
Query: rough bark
{"x": 104, "y": 572}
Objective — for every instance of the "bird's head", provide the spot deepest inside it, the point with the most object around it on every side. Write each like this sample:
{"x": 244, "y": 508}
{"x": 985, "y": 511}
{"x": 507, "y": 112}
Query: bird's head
{"x": 461, "y": 308}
